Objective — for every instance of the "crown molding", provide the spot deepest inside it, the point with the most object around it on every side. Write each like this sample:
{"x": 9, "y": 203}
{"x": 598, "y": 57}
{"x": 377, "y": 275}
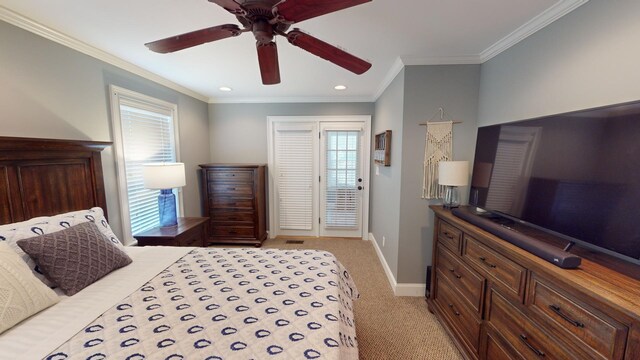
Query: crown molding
{"x": 75, "y": 44}
{"x": 291, "y": 99}
{"x": 442, "y": 60}
{"x": 555, "y": 12}
{"x": 395, "y": 69}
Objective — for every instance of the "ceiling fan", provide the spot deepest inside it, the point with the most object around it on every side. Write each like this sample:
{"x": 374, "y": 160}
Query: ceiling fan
{"x": 266, "y": 19}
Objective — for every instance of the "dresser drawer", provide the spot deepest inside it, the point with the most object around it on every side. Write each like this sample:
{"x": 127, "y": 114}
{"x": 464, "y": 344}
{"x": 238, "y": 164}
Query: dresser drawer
{"x": 192, "y": 238}
{"x": 465, "y": 279}
{"x": 221, "y": 202}
{"x": 523, "y": 335}
{"x": 231, "y": 189}
{"x": 496, "y": 349}
{"x": 464, "y": 319}
{"x": 450, "y": 236}
{"x": 579, "y": 322}
{"x": 230, "y": 176}
{"x": 506, "y": 273}
{"x": 232, "y": 216}
{"x": 232, "y": 231}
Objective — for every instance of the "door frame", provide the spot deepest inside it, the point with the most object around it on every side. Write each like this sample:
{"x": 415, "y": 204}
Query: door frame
{"x": 366, "y": 163}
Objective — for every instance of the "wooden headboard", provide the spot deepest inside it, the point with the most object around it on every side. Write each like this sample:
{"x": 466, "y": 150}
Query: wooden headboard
{"x": 42, "y": 177}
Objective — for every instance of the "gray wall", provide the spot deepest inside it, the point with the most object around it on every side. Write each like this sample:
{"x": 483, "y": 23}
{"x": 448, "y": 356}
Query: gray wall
{"x": 384, "y": 197}
{"x": 586, "y": 59}
{"x": 238, "y": 132}
{"x": 427, "y": 88}
{"x": 51, "y": 91}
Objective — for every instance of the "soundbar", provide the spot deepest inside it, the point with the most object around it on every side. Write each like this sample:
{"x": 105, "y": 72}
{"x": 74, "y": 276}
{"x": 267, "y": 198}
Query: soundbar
{"x": 543, "y": 250}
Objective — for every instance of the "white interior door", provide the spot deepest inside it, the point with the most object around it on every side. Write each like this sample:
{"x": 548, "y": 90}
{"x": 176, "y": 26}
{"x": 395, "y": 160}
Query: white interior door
{"x": 319, "y": 171}
{"x": 341, "y": 179}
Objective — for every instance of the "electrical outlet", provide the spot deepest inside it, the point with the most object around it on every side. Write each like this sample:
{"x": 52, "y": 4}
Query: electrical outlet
{"x": 377, "y": 170}
{"x": 383, "y": 240}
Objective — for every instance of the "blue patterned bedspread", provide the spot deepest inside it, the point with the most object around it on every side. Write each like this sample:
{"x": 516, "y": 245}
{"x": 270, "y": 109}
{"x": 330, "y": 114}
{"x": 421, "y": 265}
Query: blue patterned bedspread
{"x": 230, "y": 304}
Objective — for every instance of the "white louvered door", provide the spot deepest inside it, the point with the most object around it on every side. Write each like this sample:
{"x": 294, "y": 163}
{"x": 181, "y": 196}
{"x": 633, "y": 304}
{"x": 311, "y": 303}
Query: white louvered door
{"x": 296, "y": 156}
{"x": 318, "y": 175}
{"x": 341, "y": 181}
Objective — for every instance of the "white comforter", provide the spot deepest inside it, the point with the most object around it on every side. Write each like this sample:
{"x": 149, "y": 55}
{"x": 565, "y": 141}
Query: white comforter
{"x": 210, "y": 304}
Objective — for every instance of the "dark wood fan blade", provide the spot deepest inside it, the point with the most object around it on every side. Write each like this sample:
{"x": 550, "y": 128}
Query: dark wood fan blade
{"x": 328, "y": 52}
{"x": 268, "y": 59}
{"x": 231, "y": 6}
{"x": 300, "y": 10}
{"x": 193, "y": 38}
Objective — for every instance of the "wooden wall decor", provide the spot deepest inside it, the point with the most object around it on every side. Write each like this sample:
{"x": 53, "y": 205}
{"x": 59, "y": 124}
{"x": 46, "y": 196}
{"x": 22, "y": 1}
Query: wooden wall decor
{"x": 382, "y": 150}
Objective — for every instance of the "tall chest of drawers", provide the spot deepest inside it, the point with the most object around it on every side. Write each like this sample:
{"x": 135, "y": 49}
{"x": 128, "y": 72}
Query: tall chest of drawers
{"x": 498, "y": 301}
{"x": 233, "y": 198}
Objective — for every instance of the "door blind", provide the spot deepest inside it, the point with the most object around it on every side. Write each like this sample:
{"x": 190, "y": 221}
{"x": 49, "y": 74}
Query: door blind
{"x": 294, "y": 159}
{"x": 148, "y": 137}
{"x": 342, "y": 169}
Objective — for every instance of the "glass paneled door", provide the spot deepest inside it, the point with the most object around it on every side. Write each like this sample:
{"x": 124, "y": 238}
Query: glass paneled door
{"x": 341, "y": 180}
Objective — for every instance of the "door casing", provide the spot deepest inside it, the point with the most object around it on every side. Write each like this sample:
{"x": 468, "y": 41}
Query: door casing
{"x": 366, "y": 163}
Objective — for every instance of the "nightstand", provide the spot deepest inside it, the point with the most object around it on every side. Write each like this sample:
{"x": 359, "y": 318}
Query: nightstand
{"x": 190, "y": 231}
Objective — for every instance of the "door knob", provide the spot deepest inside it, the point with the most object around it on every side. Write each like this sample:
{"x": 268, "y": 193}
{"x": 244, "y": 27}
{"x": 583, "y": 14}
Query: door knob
{"x": 359, "y": 179}
{"x": 360, "y": 188}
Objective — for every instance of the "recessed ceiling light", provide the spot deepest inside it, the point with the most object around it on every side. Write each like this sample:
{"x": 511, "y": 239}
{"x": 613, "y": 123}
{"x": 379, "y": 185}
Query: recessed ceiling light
{"x": 340, "y": 87}
{"x": 225, "y": 88}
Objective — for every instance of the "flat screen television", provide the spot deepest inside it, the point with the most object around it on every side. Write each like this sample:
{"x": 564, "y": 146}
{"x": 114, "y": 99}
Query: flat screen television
{"x": 575, "y": 175}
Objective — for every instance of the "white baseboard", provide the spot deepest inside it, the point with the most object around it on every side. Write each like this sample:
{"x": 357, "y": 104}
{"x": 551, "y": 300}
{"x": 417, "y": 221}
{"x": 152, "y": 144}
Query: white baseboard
{"x": 398, "y": 289}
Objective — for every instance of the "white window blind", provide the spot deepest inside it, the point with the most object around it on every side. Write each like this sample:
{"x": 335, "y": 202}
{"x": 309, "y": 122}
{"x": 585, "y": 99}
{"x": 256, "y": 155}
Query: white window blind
{"x": 294, "y": 159}
{"x": 144, "y": 132}
{"x": 342, "y": 200}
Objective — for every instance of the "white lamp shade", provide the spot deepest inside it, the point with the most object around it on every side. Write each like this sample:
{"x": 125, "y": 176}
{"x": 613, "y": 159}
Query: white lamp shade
{"x": 453, "y": 173}
{"x": 163, "y": 175}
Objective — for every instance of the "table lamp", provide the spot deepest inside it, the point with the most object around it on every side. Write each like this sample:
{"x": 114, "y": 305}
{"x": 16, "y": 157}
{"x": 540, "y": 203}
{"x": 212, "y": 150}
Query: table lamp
{"x": 165, "y": 177}
{"x": 453, "y": 174}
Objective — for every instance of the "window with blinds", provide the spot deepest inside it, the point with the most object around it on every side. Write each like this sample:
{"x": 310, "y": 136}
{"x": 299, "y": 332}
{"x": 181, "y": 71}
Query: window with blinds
{"x": 294, "y": 159}
{"x": 342, "y": 201}
{"x": 144, "y": 132}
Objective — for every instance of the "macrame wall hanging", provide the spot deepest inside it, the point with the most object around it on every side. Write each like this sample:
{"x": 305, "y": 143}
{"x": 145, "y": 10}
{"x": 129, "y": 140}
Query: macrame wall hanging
{"x": 438, "y": 147}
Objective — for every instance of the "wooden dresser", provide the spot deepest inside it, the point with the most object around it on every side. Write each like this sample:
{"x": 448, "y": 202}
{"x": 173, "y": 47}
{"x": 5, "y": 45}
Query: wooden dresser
{"x": 234, "y": 200}
{"x": 498, "y": 301}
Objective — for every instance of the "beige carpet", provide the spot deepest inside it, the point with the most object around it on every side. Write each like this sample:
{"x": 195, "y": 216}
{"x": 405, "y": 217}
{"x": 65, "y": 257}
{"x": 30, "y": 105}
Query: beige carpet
{"x": 388, "y": 327}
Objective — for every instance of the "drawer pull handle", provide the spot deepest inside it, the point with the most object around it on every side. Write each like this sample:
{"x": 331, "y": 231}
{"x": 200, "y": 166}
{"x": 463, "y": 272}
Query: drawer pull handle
{"x": 525, "y": 340}
{"x": 453, "y": 271}
{"x": 556, "y": 309}
{"x": 484, "y": 260}
{"x": 455, "y": 312}
{"x": 448, "y": 235}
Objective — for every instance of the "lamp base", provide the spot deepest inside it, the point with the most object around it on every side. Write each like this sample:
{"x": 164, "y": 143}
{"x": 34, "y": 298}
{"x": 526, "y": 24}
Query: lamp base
{"x": 451, "y": 198}
{"x": 167, "y": 208}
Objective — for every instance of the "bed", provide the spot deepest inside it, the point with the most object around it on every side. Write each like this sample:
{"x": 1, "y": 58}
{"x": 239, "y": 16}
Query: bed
{"x": 168, "y": 303}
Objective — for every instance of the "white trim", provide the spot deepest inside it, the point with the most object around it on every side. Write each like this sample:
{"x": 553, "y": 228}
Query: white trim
{"x": 416, "y": 290}
{"x": 401, "y": 289}
{"x": 555, "y": 12}
{"x": 115, "y": 94}
{"x": 284, "y": 100}
{"x": 385, "y": 265}
{"x": 366, "y": 161}
{"x": 25, "y": 23}
{"x": 388, "y": 79}
{"x": 442, "y": 60}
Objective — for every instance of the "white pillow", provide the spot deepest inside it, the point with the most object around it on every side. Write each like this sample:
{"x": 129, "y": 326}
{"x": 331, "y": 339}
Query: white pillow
{"x": 11, "y": 233}
{"x": 21, "y": 293}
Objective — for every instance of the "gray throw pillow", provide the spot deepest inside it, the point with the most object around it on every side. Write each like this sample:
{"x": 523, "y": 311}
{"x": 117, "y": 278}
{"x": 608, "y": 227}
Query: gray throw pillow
{"x": 75, "y": 257}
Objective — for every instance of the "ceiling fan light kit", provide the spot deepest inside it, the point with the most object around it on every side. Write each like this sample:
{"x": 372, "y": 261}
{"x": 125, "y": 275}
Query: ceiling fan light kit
{"x": 266, "y": 19}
